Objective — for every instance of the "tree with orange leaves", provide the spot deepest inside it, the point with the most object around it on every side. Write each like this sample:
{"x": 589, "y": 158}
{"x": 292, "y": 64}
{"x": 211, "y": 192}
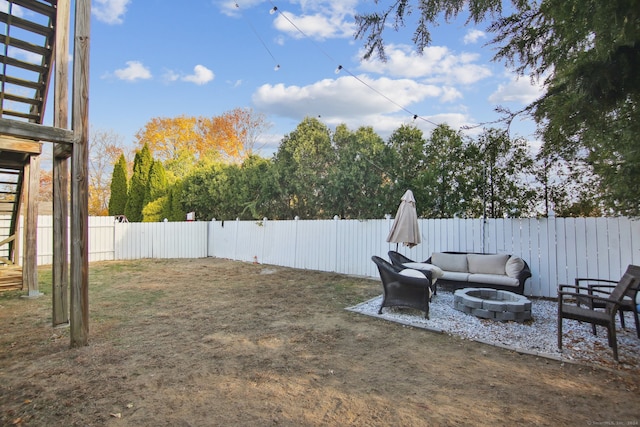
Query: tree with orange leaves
{"x": 234, "y": 133}
{"x": 169, "y": 137}
{"x": 181, "y": 142}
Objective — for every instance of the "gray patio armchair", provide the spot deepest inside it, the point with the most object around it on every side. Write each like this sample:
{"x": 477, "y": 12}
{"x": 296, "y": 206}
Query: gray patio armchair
{"x": 402, "y": 290}
{"x": 582, "y": 304}
{"x": 399, "y": 260}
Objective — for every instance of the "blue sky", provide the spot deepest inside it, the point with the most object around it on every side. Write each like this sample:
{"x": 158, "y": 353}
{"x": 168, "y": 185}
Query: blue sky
{"x": 158, "y": 58}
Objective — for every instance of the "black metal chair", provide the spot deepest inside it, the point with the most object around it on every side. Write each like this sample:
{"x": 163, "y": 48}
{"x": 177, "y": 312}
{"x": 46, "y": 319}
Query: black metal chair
{"x": 400, "y": 290}
{"x": 399, "y": 260}
{"x": 580, "y": 303}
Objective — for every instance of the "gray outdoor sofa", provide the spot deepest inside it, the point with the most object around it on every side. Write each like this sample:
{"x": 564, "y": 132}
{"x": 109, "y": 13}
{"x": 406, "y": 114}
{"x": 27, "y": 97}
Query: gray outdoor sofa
{"x": 455, "y": 270}
{"x": 474, "y": 270}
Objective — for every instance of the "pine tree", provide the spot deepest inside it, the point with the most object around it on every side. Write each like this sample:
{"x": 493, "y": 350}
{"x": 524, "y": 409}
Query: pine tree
{"x": 138, "y": 187}
{"x": 157, "y": 184}
{"x": 175, "y": 210}
{"x": 118, "y": 199}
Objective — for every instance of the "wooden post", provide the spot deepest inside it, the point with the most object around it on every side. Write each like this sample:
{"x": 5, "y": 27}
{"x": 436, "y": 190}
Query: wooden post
{"x": 60, "y": 268}
{"x": 79, "y": 272}
{"x": 30, "y": 259}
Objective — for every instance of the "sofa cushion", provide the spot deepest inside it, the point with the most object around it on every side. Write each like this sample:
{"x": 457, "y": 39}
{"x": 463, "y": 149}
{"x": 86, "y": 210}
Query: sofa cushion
{"x": 450, "y": 262}
{"x": 514, "y": 266}
{"x": 455, "y": 276}
{"x": 410, "y": 272}
{"x": 487, "y": 264}
{"x": 436, "y": 272}
{"x": 494, "y": 279}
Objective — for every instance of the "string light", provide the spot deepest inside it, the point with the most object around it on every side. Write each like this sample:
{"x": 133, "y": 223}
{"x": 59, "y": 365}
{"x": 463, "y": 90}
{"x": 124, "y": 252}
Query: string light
{"x": 340, "y": 67}
{"x": 277, "y": 67}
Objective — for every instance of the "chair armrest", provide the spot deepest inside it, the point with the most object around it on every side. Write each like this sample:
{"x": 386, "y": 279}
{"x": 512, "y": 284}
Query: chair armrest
{"x": 585, "y": 279}
{"x": 573, "y": 289}
{"x": 578, "y": 294}
{"x": 600, "y": 289}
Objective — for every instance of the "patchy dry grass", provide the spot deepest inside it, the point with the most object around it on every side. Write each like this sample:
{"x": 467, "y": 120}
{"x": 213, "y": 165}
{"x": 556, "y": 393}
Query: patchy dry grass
{"x": 214, "y": 342}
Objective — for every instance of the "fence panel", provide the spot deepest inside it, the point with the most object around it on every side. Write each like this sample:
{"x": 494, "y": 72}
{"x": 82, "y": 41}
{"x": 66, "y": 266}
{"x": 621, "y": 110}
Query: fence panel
{"x": 280, "y": 243}
{"x": 160, "y": 240}
{"x": 556, "y": 249}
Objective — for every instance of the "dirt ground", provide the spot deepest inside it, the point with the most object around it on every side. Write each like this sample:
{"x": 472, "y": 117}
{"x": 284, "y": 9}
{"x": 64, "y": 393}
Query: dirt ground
{"x": 210, "y": 342}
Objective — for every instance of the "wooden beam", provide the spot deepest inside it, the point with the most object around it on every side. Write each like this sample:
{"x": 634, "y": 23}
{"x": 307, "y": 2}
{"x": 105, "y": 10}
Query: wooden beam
{"x": 21, "y": 64}
{"x": 9, "y": 143}
{"x": 35, "y": 6}
{"x": 60, "y": 267}
{"x": 79, "y": 272}
{"x": 61, "y": 92}
{"x": 35, "y": 132}
{"x": 21, "y": 99}
{"x": 25, "y": 24}
{"x": 30, "y": 257}
{"x": 21, "y": 44}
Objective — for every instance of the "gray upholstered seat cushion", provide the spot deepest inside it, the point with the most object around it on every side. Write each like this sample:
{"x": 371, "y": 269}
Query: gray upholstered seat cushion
{"x": 493, "y": 279}
{"x": 455, "y": 275}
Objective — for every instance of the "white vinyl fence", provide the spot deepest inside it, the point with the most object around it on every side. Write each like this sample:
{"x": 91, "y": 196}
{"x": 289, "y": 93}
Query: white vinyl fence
{"x": 556, "y": 249}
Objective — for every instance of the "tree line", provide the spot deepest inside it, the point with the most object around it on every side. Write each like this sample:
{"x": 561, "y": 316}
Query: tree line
{"x": 318, "y": 173}
{"x": 587, "y": 53}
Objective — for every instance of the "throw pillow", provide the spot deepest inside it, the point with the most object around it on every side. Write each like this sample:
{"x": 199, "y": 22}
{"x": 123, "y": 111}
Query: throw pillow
{"x": 514, "y": 266}
{"x": 412, "y": 273}
{"x": 436, "y": 271}
{"x": 487, "y": 264}
{"x": 450, "y": 262}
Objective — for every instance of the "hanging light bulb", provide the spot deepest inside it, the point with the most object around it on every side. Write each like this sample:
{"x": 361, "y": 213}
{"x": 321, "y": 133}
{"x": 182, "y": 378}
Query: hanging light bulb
{"x": 338, "y": 69}
{"x": 273, "y": 10}
{"x": 276, "y": 68}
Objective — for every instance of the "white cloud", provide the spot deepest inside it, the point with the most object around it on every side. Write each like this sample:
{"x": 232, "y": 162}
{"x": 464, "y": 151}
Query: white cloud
{"x": 473, "y": 36}
{"x": 109, "y": 11}
{"x": 170, "y": 76}
{"x": 33, "y": 58}
{"x": 347, "y": 100}
{"x": 318, "y": 19}
{"x": 437, "y": 64}
{"x": 317, "y": 26}
{"x": 518, "y": 89}
{"x": 342, "y": 97}
{"x": 15, "y": 9}
{"x": 450, "y": 94}
{"x": 200, "y": 76}
{"x": 135, "y": 70}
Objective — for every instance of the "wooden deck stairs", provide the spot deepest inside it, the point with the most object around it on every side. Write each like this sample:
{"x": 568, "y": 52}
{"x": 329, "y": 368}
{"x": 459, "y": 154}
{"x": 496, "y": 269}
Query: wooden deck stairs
{"x": 27, "y": 36}
{"x": 11, "y": 181}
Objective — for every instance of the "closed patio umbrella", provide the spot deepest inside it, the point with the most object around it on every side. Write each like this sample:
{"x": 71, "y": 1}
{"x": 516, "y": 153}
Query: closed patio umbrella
{"x": 405, "y": 225}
